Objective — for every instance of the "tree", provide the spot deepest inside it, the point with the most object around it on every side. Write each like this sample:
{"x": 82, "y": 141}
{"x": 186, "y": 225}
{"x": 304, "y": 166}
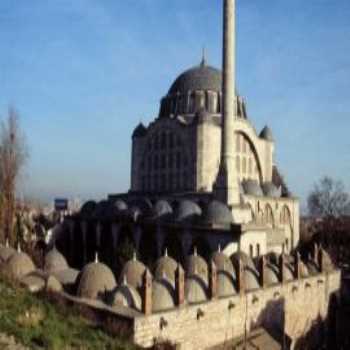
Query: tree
{"x": 328, "y": 199}
{"x": 13, "y": 154}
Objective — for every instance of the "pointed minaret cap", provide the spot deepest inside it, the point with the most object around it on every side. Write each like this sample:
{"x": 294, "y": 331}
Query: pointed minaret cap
{"x": 204, "y": 60}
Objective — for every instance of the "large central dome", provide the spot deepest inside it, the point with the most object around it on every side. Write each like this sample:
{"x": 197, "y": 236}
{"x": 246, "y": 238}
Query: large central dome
{"x": 201, "y": 77}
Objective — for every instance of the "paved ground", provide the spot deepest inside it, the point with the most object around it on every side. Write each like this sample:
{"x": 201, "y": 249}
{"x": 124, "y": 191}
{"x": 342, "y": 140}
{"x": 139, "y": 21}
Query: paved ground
{"x": 9, "y": 343}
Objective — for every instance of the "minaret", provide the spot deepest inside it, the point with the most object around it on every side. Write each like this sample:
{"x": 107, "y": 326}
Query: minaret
{"x": 226, "y": 187}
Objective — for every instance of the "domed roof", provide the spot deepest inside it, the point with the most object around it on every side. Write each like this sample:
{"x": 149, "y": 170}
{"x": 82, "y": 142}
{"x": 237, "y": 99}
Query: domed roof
{"x": 244, "y": 258}
{"x": 95, "y": 280}
{"x": 19, "y": 265}
{"x": 126, "y": 295}
{"x": 143, "y": 204}
{"x": 102, "y": 209}
{"x": 165, "y": 266}
{"x": 88, "y": 208}
{"x": 217, "y": 213}
{"x": 196, "y": 290}
{"x": 201, "y": 77}
{"x": 187, "y": 211}
{"x": 163, "y": 295}
{"x": 222, "y": 262}
{"x": 251, "y": 279}
{"x": 252, "y": 188}
{"x": 226, "y": 284}
{"x": 6, "y": 252}
{"x": 266, "y": 134}
{"x": 132, "y": 273}
{"x": 140, "y": 131}
{"x": 197, "y": 266}
{"x": 55, "y": 261}
{"x": 120, "y": 205}
{"x": 271, "y": 190}
{"x": 162, "y": 210}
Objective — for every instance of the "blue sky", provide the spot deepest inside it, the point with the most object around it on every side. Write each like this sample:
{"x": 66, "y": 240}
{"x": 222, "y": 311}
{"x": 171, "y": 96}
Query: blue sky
{"x": 83, "y": 73}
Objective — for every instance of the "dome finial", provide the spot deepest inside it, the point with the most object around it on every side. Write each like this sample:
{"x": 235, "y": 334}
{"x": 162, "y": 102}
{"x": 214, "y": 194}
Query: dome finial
{"x": 195, "y": 251}
{"x": 96, "y": 258}
{"x": 219, "y": 248}
{"x": 19, "y": 250}
{"x": 125, "y": 280}
{"x": 134, "y": 257}
{"x": 166, "y": 252}
{"x": 204, "y": 60}
{"x": 7, "y": 243}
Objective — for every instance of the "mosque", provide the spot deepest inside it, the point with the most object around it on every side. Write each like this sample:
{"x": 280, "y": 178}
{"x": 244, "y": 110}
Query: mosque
{"x": 208, "y": 231}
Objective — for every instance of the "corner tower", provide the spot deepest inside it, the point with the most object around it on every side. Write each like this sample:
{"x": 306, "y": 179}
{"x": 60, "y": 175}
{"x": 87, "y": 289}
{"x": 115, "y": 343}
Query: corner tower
{"x": 226, "y": 187}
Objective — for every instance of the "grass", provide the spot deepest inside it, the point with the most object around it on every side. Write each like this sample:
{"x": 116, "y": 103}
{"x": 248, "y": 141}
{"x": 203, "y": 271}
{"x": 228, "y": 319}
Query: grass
{"x": 39, "y": 324}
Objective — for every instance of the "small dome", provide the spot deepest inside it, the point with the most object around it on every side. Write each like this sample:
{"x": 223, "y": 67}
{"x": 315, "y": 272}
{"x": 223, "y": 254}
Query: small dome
{"x": 217, "y": 213}
{"x": 162, "y": 210}
{"x": 95, "y": 280}
{"x": 271, "y": 274}
{"x": 120, "y": 205}
{"x": 126, "y": 295}
{"x": 197, "y": 266}
{"x": 19, "y": 265}
{"x": 226, "y": 284}
{"x": 143, "y": 204}
{"x": 187, "y": 211}
{"x": 6, "y": 252}
{"x": 102, "y": 210}
{"x": 251, "y": 279}
{"x": 266, "y": 134}
{"x": 55, "y": 261}
{"x": 166, "y": 266}
{"x": 252, "y": 188}
{"x": 132, "y": 273}
{"x": 88, "y": 209}
{"x": 244, "y": 258}
{"x": 163, "y": 295}
{"x": 270, "y": 190}
{"x": 140, "y": 131}
{"x": 223, "y": 262}
{"x": 196, "y": 290}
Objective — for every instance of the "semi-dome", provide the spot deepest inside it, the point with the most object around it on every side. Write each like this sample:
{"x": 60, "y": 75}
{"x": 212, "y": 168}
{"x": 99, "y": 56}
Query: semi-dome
{"x": 266, "y": 134}
{"x": 197, "y": 266}
{"x": 187, "y": 211}
{"x": 202, "y": 77}
{"x": 19, "y": 265}
{"x": 226, "y": 284}
{"x": 222, "y": 262}
{"x": 271, "y": 190}
{"x": 217, "y": 213}
{"x": 133, "y": 272}
{"x": 95, "y": 281}
{"x": 252, "y": 188}
{"x": 162, "y": 210}
{"x": 126, "y": 295}
{"x": 55, "y": 261}
{"x": 166, "y": 266}
{"x": 196, "y": 290}
{"x": 163, "y": 295}
{"x": 6, "y": 252}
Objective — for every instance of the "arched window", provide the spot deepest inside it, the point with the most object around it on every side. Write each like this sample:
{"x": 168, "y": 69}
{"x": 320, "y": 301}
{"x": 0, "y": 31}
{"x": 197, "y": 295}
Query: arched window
{"x": 268, "y": 215}
{"x": 258, "y": 249}
{"x": 251, "y": 250}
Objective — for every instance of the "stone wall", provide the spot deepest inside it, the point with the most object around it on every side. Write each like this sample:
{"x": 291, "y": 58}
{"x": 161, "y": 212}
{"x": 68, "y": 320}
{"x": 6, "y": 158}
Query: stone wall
{"x": 292, "y": 307}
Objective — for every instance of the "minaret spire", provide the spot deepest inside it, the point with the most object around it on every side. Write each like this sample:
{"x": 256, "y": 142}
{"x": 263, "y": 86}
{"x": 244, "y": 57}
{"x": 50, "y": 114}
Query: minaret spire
{"x": 226, "y": 187}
